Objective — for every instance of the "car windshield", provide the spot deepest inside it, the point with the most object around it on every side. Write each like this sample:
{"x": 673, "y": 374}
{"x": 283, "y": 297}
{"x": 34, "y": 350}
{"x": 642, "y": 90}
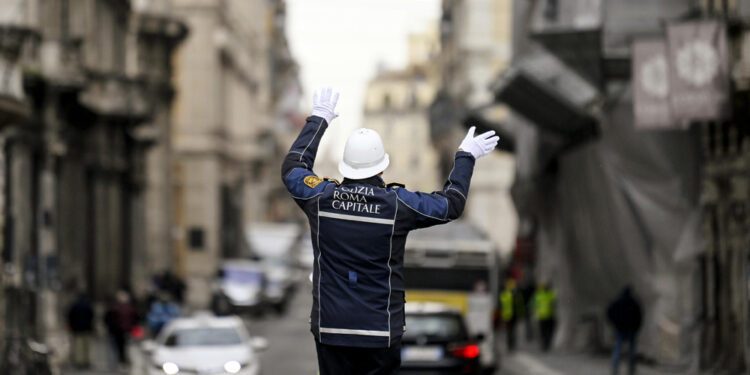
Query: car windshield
{"x": 447, "y": 326}
{"x": 204, "y": 337}
{"x": 242, "y": 276}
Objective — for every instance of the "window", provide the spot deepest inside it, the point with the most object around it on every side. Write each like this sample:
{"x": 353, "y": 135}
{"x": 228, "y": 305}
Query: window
{"x": 386, "y": 101}
{"x": 443, "y": 326}
{"x": 204, "y": 337}
{"x": 196, "y": 239}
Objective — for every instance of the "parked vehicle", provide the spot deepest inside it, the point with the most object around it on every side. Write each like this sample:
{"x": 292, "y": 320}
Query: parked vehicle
{"x": 239, "y": 287}
{"x": 204, "y": 345}
{"x": 436, "y": 341}
{"x": 275, "y": 246}
{"x": 280, "y": 283}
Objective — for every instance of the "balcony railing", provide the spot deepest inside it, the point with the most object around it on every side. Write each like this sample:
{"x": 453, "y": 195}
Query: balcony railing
{"x": 156, "y": 7}
{"x": 16, "y": 12}
{"x": 16, "y": 30}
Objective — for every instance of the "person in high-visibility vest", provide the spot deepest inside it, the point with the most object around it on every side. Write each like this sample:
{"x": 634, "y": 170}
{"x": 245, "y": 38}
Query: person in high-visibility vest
{"x": 544, "y": 311}
{"x": 511, "y": 309}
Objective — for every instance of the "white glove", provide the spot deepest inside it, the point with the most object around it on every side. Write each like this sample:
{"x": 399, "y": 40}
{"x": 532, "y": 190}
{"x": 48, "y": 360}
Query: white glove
{"x": 324, "y": 104}
{"x": 480, "y": 145}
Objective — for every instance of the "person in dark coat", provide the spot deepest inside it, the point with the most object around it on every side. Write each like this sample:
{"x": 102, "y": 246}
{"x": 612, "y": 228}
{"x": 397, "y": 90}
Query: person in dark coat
{"x": 172, "y": 284}
{"x": 120, "y": 319}
{"x": 81, "y": 325}
{"x": 626, "y": 315}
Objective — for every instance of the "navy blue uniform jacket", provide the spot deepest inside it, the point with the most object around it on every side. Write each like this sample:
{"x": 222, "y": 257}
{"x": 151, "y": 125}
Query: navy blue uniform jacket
{"x": 359, "y": 229}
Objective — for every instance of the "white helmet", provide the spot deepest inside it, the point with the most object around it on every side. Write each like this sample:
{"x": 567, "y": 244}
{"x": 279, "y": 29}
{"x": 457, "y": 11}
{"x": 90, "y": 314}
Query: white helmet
{"x": 364, "y": 155}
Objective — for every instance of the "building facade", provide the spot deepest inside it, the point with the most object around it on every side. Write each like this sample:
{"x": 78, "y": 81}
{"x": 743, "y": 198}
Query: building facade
{"x": 475, "y": 42}
{"x": 614, "y": 203}
{"x": 86, "y": 87}
{"x": 396, "y": 106}
{"x": 233, "y": 77}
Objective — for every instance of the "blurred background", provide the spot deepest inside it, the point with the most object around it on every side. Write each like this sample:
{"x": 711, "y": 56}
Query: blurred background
{"x": 140, "y": 194}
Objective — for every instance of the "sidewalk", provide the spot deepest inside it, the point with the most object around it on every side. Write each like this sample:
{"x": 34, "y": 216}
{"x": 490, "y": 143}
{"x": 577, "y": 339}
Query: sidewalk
{"x": 558, "y": 363}
{"x": 103, "y": 361}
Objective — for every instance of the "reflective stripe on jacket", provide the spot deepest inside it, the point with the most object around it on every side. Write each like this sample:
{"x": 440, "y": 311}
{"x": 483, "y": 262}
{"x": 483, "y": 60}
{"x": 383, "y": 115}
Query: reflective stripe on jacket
{"x": 358, "y": 231}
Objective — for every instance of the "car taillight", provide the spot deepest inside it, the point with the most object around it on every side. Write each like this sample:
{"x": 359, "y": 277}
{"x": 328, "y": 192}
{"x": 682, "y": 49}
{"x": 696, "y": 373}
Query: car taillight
{"x": 466, "y": 351}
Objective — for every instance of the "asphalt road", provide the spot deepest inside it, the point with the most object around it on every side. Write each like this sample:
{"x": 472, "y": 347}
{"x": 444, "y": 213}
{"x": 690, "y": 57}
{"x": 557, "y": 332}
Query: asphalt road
{"x": 291, "y": 349}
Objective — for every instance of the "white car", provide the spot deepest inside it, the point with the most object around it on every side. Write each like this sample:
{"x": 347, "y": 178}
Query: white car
{"x": 205, "y": 345}
{"x": 242, "y": 283}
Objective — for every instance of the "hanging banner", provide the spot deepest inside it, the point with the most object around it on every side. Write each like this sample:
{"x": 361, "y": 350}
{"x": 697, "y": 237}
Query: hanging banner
{"x": 651, "y": 84}
{"x": 699, "y": 71}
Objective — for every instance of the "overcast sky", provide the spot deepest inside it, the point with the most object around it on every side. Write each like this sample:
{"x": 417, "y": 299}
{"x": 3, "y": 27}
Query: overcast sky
{"x": 341, "y": 42}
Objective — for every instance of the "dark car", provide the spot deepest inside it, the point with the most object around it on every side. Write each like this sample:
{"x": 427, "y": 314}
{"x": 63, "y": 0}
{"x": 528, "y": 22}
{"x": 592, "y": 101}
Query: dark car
{"x": 436, "y": 341}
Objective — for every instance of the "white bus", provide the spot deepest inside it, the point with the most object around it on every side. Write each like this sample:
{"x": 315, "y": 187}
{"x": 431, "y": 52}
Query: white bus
{"x": 456, "y": 264}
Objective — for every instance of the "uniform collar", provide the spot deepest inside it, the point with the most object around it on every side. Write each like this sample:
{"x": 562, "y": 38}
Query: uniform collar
{"x": 374, "y": 180}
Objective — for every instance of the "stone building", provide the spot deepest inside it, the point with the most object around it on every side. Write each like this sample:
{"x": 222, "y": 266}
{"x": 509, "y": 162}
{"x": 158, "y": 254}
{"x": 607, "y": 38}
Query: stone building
{"x": 86, "y": 91}
{"x": 475, "y": 45}
{"x": 396, "y": 104}
{"x": 233, "y": 76}
{"x": 613, "y": 203}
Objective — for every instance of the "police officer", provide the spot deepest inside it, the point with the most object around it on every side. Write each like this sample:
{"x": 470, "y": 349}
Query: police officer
{"x": 358, "y": 229}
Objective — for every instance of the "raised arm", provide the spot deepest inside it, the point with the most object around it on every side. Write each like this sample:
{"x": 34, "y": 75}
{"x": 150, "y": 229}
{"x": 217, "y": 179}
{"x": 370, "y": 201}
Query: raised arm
{"x": 297, "y": 168}
{"x": 305, "y": 147}
{"x": 448, "y": 204}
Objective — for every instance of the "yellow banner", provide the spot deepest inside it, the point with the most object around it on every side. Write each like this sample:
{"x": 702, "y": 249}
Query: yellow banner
{"x": 459, "y": 300}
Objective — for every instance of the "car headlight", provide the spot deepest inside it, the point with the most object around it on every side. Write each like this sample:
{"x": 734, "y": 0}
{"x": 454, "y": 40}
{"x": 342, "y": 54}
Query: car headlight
{"x": 232, "y": 367}
{"x": 170, "y": 368}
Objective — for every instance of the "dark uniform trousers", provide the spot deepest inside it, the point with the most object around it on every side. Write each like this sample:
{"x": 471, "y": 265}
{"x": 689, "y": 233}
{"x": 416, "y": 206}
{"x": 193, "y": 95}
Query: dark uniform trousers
{"x": 349, "y": 360}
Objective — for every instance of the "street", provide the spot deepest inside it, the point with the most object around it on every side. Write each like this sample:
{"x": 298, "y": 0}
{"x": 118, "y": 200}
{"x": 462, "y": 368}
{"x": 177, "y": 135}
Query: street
{"x": 575, "y": 168}
{"x": 291, "y": 349}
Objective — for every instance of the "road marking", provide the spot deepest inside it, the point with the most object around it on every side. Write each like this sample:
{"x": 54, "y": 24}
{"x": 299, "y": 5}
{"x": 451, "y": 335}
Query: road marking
{"x": 534, "y": 366}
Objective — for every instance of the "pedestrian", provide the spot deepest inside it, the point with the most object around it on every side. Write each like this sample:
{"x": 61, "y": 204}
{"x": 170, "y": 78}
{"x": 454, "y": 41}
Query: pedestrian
{"x": 161, "y": 312}
{"x": 626, "y": 315}
{"x": 527, "y": 294}
{"x": 81, "y": 325}
{"x": 120, "y": 319}
{"x": 173, "y": 285}
{"x": 545, "y": 300}
{"x": 511, "y": 310}
{"x": 359, "y": 229}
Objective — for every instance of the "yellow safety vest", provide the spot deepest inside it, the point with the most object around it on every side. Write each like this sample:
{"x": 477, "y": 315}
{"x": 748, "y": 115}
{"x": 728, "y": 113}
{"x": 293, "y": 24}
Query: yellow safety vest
{"x": 544, "y": 304}
{"x": 506, "y": 303}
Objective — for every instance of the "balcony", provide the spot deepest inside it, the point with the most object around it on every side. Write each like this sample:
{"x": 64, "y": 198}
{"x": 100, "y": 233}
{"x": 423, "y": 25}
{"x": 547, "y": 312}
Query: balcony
{"x": 62, "y": 63}
{"x": 17, "y": 39}
{"x": 156, "y": 18}
{"x": 539, "y": 81}
{"x": 156, "y": 7}
{"x": 117, "y": 97}
{"x": 573, "y": 31}
{"x": 12, "y": 110}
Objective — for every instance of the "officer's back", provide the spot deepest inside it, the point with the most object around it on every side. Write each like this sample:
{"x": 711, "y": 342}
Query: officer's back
{"x": 358, "y": 231}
